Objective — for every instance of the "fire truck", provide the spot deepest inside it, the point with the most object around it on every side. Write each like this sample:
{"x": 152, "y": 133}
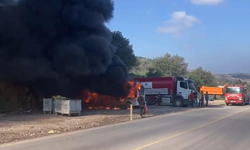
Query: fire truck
{"x": 236, "y": 94}
{"x": 173, "y": 90}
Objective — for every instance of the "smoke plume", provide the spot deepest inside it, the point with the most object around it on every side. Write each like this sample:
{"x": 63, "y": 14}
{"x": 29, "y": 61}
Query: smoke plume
{"x": 60, "y": 47}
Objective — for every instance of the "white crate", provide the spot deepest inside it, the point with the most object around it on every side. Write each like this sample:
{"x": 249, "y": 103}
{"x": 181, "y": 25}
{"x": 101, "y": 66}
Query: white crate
{"x": 58, "y": 106}
{"x": 68, "y": 107}
{"x": 47, "y": 105}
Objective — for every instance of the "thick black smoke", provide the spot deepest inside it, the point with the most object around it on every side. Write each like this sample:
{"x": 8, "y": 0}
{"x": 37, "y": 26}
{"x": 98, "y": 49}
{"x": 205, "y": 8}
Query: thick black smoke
{"x": 60, "y": 46}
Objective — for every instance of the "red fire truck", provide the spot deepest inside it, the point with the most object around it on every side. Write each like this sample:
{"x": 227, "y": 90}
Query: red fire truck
{"x": 236, "y": 94}
{"x": 173, "y": 90}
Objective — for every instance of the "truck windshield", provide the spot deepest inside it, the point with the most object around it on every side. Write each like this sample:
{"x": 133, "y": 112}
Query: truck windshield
{"x": 233, "y": 90}
{"x": 191, "y": 85}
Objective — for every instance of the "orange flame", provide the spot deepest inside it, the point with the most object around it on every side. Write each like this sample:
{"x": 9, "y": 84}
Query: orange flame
{"x": 107, "y": 108}
{"x": 87, "y": 100}
{"x": 133, "y": 90}
{"x": 95, "y": 101}
{"x": 90, "y": 107}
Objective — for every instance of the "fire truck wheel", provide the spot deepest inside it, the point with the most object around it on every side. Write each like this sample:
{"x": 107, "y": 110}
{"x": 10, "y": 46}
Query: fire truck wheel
{"x": 128, "y": 104}
{"x": 178, "y": 102}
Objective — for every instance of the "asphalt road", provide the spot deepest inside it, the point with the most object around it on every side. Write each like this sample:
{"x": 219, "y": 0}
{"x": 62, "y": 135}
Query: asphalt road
{"x": 216, "y": 128}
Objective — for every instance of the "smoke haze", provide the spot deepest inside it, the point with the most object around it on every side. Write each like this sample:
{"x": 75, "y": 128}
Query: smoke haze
{"x": 60, "y": 47}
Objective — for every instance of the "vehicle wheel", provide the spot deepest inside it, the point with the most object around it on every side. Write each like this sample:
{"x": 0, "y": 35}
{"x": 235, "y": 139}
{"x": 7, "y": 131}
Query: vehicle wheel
{"x": 227, "y": 104}
{"x": 128, "y": 104}
{"x": 178, "y": 102}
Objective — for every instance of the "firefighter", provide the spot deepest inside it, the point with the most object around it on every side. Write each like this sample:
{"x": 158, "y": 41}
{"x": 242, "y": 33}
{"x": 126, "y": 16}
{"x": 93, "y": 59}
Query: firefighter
{"x": 202, "y": 99}
{"x": 195, "y": 99}
{"x": 141, "y": 104}
{"x": 191, "y": 96}
{"x": 207, "y": 98}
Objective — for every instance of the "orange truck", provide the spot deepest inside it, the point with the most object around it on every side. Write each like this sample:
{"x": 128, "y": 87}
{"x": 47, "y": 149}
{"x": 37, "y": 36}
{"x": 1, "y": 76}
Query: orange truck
{"x": 213, "y": 90}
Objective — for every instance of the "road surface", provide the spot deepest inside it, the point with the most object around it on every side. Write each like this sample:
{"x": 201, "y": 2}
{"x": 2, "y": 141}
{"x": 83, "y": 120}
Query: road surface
{"x": 215, "y": 128}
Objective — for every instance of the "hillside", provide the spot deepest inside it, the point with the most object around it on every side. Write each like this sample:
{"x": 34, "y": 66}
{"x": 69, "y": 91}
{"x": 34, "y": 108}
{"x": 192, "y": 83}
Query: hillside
{"x": 232, "y": 77}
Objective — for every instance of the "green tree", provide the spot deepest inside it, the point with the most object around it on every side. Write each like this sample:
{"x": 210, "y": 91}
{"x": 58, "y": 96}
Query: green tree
{"x": 124, "y": 49}
{"x": 171, "y": 65}
{"x": 202, "y": 77}
{"x": 152, "y": 72}
{"x": 132, "y": 75}
{"x": 142, "y": 67}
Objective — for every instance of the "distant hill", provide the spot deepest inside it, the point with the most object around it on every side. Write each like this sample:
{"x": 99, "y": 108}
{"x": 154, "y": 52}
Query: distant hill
{"x": 232, "y": 77}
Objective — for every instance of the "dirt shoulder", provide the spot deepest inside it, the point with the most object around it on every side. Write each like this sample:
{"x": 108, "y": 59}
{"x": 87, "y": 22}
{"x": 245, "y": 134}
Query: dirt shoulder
{"x": 20, "y": 127}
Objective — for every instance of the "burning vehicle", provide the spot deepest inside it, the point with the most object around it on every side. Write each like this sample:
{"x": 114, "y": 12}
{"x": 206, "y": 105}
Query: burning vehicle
{"x": 94, "y": 100}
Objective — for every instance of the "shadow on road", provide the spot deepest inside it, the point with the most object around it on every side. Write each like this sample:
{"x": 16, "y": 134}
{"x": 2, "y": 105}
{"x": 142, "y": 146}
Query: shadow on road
{"x": 216, "y": 106}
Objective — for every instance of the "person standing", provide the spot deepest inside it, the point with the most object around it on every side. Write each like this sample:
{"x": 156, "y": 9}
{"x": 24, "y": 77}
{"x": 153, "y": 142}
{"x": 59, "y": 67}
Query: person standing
{"x": 202, "y": 99}
{"x": 195, "y": 99}
{"x": 141, "y": 105}
{"x": 207, "y": 98}
{"x": 192, "y": 99}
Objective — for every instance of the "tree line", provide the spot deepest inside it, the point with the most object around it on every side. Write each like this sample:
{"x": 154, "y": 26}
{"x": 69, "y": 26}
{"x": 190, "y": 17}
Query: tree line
{"x": 166, "y": 65}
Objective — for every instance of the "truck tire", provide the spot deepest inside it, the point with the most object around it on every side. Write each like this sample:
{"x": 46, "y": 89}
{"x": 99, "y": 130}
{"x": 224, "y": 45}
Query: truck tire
{"x": 243, "y": 103}
{"x": 178, "y": 102}
{"x": 247, "y": 103}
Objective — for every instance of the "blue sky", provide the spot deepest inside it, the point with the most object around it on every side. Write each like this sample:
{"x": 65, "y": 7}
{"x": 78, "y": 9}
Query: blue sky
{"x": 213, "y": 34}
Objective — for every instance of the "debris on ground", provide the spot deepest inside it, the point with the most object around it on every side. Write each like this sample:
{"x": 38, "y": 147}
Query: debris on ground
{"x": 51, "y": 132}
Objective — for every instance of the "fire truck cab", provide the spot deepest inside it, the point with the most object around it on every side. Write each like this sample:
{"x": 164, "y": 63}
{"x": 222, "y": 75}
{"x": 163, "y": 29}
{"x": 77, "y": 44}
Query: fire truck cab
{"x": 236, "y": 94}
